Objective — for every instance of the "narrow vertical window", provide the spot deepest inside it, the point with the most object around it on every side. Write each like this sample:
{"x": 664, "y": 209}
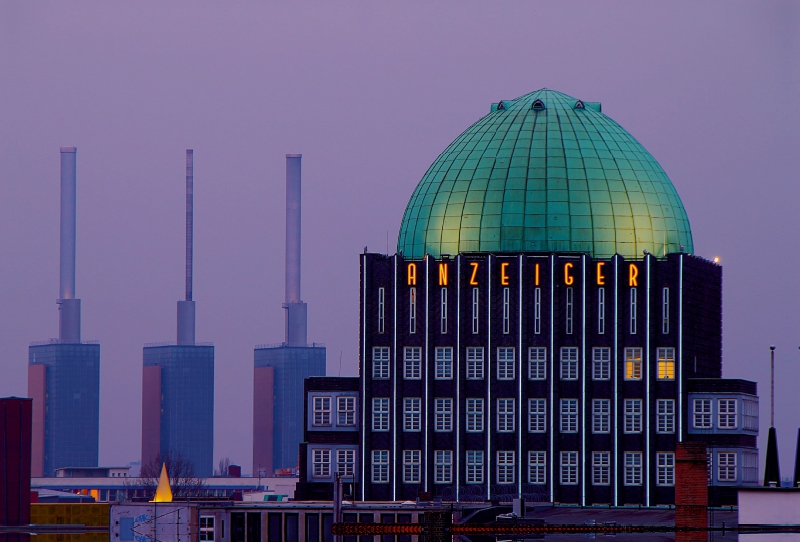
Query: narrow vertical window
{"x": 380, "y": 414}
{"x": 346, "y": 462}
{"x": 505, "y": 415}
{"x": 569, "y": 415}
{"x": 665, "y": 415}
{"x": 474, "y": 415}
{"x": 537, "y": 468}
{"x": 412, "y": 310}
{"x": 474, "y": 363}
{"x": 505, "y": 467}
{"x": 601, "y": 363}
{"x": 601, "y": 415}
{"x": 474, "y": 466}
{"x": 412, "y": 412}
{"x": 537, "y": 363}
{"x": 475, "y": 307}
{"x": 505, "y": 363}
{"x": 601, "y": 310}
{"x": 411, "y": 466}
{"x": 380, "y": 362}
{"x": 570, "y": 309}
{"x": 569, "y": 363}
{"x": 412, "y": 363}
{"x": 444, "y": 415}
{"x": 537, "y": 415}
{"x": 633, "y": 363}
{"x": 633, "y": 311}
{"x": 444, "y": 363}
{"x": 444, "y": 311}
{"x": 380, "y": 466}
{"x": 569, "y": 468}
{"x": 443, "y": 466}
{"x": 633, "y": 468}
{"x": 666, "y": 469}
{"x": 381, "y": 308}
{"x": 537, "y": 311}
{"x": 665, "y": 312}
{"x": 666, "y": 363}
{"x": 633, "y": 415}
{"x": 601, "y": 468}
{"x": 506, "y": 311}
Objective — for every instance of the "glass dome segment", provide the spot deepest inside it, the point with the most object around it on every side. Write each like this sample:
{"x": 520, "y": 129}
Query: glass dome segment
{"x": 545, "y": 173}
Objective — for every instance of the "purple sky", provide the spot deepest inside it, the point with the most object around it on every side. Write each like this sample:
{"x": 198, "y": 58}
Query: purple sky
{"x": 369, "y": 93}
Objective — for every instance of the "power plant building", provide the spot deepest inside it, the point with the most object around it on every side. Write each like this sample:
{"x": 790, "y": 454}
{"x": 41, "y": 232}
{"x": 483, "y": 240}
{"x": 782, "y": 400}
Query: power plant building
{"x": 178, "y": 379}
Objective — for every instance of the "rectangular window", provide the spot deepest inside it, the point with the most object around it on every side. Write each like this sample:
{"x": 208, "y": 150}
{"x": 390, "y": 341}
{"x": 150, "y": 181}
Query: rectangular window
{"x": 665, "y": 311}
{"x": 207, "y": 528}
{"x": 569, "y": 468}
{"x": 601, "y": 468}
{"x": 412, "y": 413}
{"x": 537, "y": 363}
{"x": 537, "y": 468}
{"x": 412, "y": 363}
{"x": 633, "y": 415}
{"x": 444, "y": 363}
{"x": 710, "y": 466}
{"x": 346, "y": 411}
{"x": 726, "y": 412}
{"x": 633, "y": 468}
{"x": 380, "y": 363}
{"x": 702, "y": 413}
{"x": 570, "y": 309}
{"x": 322, "y": 411}
{"x": 749, "y": 415}
{"x": 412, "y": 310}
{"x": 749, "y": 467}
{"x": 505, "y": 415}
{"x": 381, "y": 309}
{"x": 601, "y": 363}
{"x": 569, "y": 415}
{"x": 633, "y": 311}
{"x": 505, "y": 467}
{"x": 411, "y": 466}
{"x": 443, "y": 466}
{"x": 601, "y": 415}
{"x": 322, "y": 463}
{"x": 665, "y": 475}
{"x": 444, "y": 311}
{"x": 380, "y": 466}
{"x": 665, "y": 412}
{"x": 601, "y": 311}
{"x": 474, "y": 363}
{"x": 474, "y": 415}
{"x": 569, "y": 363}
{"x": 726, "y": 466}
{"x": 474, "y": 466}
{"x": 506, "y": 311}
{"x": 666, "y": 363}
{"x": 345, "y": 462}
{"x": 475, "y": 310}
{"x": 380, "y": 414}
{"x": 444, "y": 414}
{"x": 537, "y": 415}
{"x": 537, "y": 311}
{"x": 505, "y": 363}
{"x": 633, "y": 363}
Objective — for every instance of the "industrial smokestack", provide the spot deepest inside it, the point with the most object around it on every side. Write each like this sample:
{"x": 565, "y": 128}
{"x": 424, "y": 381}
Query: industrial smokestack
{"x": 186, "y": 312}
{"x": 296, "y": 310}
{"x": 69, "y": 325}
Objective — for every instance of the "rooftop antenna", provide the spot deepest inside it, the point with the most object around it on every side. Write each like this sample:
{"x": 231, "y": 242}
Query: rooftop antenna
{"x": 186, "y": 308}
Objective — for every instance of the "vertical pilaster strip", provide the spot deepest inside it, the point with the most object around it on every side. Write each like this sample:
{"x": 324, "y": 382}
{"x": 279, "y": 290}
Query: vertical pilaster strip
{"x": 680, "y": 349}
{"x": 616, "y": 380}
{"x": 457, "y": 426}
{"x": 647, "y": 392}
{"x": 489, "y": 376}
{"x": 552, "y": 383}
{"x": 520, "y": 373}
{"x": 583, "y": 381}
{"x": 426, "y": 372}
{"x": 363, "y": 376}
{"x": 395, "y": 411}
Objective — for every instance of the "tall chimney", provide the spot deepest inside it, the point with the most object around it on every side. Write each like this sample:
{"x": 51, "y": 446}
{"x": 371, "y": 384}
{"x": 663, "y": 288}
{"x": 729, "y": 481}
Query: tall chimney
{"x": 186, "y": 313}
{"x": 69, "y": 325}
{"x": 296, "y": 310}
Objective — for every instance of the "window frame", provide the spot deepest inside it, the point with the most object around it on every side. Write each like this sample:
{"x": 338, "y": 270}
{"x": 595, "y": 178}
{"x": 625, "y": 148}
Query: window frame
{"x": 443, "y": 408}
{"x": 381, "y": 359}
{"x": 412, "y": 417}
{"x": 601, "y": 468}
{"x": 665, "y": 417}
{"x": 380, "y": 414}
{"x": 412, "y": 466}
{"x": 321, "y": 463}
{"x": 444, "y": 363}
{"x": 537, "y": 415}
{"x": 537, "y": 363}
{"x": 349, "y": 410}
{"x": 569, "y": 408}
{"x": 506, "y": 467}
{"x": 633, "y": 468}
{"x": 633, "y": 412}
{"x": 601, "y": 416}
{"x": 505, "y": 365}
{"x": 665, "y": 468}
{"x": 569, "y": 468}
{"x": 380, "y": 466}
{"x": 321, "y": 416}
{"x": 601, "y": 363}
{"x": 443, "y": 466}
{"x": 475, "y": 412}
{"x": 475, "y": 359}
{"x": 633, "y": 363}
{"x": 506, "y": 415}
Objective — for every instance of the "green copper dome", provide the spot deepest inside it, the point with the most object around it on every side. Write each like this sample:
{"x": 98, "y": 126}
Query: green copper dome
{"x": 545, "y": 173}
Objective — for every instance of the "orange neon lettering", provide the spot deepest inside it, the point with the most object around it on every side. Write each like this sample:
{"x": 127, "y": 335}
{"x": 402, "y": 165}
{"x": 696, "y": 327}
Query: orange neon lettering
{"x": 504, "y": 274}
{"x": 412, "y": 274}
{"x": 442, "y": 274}
{"x": 536, "y": 275}
{"x": 472, "y": 280}
{"x": 601, "y": 279}
{"x": 633, "y": 272}
{"x": 568, "y": 279}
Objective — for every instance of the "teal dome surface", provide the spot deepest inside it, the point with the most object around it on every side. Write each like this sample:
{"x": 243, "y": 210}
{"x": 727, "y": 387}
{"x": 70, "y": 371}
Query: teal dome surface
{"x": 545, "y": 173}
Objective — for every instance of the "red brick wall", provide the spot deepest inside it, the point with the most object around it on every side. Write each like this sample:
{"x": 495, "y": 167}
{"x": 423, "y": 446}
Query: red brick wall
{"x": 691, "y": 491}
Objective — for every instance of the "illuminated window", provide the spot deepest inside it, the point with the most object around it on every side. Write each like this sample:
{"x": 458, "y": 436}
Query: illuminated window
{"x": 702, "y": 413}
{"x": 443, "y": 466}
{"x": 444, "y": 363}
{"x": 569, "y": 363}
{"x": 569, "y": 468}
{"x": 570, "y": 309}
{"x": 726, "y": 413}
{"x": 380, "y": 362}
{"x": 475, "y": 309}
{"x": 474, "y": 415}
{"x": 601, "y": 415}
{"x": 474, "y": 363}
{"x": 633, "y": 363}
{"x": 601, "y": 363}
{"x": 537, "y": 415}
{"x": 506, "y": 310}
{"x": 505, "y": 363}
{"x": 665, "y": 463}
{"x": 633, "y": 311}
{"x": 665, "y": 412}
{"x": 666, "y": 364}
{"x": 726, "y": 466}
{"x": 444, "y": 415}
{"x": 322, "y": 410}
{"x": 206, "y": 528}
{"x": 537, "y": 311}
{"x": 633, "y": 415}
{"x": 505, "y": 467}
{"x": 633, "y": 468}
{"x": 474, "y": 466}
{"x": 601, "y": 468}
{"x": 505, "y": 415}
{"x": 537, "y": 363}
{"x": 569, "y": 415}
{"x": 444, "y": 311}
{"x": 601, "y": 310}
{"x": 412, "y": 310}
{"x": 537, "y": 468}
{"x": 380, "y": 414}
{"x": 412, "y": 361}
{"x": 322, "y": 463}
{"x": 665, "y": 311}
{"x": 381, "y": 308}
{"x": 412, "y": 459}
{"x": 412, "y": 413}
{"x": 380, "y": 466}
{"x": 345, "y": 462}
{"x": 346, "y": 411}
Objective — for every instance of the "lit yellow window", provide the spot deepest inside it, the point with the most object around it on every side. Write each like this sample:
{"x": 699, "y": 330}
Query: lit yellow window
{"x": 633, "y": 363}
{"x": 666, "y": 364}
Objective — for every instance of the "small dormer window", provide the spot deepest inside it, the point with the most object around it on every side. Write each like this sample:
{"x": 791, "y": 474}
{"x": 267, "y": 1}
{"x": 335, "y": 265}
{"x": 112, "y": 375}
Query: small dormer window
{"x": 501, "y": 106}
{"x": 538, "y": 105}
{"x": 579, "y": 105}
